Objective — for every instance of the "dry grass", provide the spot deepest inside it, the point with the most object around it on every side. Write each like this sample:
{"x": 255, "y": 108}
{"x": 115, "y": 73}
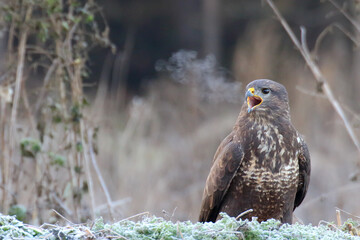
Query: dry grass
{"x": 170, "y": 153}
{"x": 171, "y": 136}
{"x": 155, "y": 154}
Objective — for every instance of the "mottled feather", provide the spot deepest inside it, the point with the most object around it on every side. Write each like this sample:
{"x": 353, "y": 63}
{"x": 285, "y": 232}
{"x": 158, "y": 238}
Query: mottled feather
{"x": 263, "y": 164}
{"x": 304, "y": 170}
{"x": 226, "y": 163}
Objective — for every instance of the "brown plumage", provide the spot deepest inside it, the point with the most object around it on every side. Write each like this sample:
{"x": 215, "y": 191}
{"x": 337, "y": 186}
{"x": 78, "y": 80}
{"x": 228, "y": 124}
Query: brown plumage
{"x": 263, "y": 164}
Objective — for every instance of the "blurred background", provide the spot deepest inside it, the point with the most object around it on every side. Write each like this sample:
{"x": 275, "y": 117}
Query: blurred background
{"x": 172, "y": 90}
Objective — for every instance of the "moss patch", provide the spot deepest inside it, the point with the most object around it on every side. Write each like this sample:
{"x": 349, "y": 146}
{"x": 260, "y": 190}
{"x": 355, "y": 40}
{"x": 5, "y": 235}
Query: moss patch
{"x": 158, "y": 228}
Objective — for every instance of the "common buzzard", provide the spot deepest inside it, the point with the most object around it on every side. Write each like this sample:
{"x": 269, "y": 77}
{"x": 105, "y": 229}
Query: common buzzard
{"x": 263, "y": 164}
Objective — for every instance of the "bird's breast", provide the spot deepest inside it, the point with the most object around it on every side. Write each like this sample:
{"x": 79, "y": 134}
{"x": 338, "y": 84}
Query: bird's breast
{"x": 265, "y": 179}
{"x": 270, "y": 163}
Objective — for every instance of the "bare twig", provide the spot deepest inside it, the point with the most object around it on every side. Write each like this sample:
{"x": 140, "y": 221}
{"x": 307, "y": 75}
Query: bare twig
{"x": 348, "y": 17}
{"x": 338, "y": 217}
{"x": 61, "y": 204}
{"x": 244, "y": 213}
{"x": 342, "y": 210}
{"x": 328, "y": 224}
{"x": 134, "y": 216}
{"x": 355, "y": 116}
{"x": 319, "y": 77}
{"x": 114, "y": 204}
{"x": 179, "y": 231}
{"x": 310, "y": 93}
{"x": 87, "y": 168}
{"x": 330, "y": 29}
{"x": 4, "y": 158}
{"x": 10, "y": 43}
{"x": 28, "y": 110}
{"x": 98, "y": 173}
{"x": 43, "y": 92}
{"x": 17, "y": 93}
{"x": 67, "y": 220}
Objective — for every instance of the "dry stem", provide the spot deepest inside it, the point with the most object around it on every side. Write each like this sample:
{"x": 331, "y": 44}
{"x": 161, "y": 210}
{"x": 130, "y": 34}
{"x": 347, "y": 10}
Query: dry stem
{"x": 338, "y": 218}
{"x": 47, "y": 78}
{"x": 319, "y": 77}
{"x": 98, "y": 173}
{"x": 348, "y": 17}
{"x": 244, "y": 213}
{"x": 87, "y": 168}
{"x": 18, "y": 84}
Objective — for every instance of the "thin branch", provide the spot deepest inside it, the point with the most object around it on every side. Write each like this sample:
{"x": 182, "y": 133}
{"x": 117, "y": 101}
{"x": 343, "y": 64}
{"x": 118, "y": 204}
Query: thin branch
{"x": 319, "y": 77}
{"x": 47, "y": 78}
{"x": 28, "y": 110}
{"x": 98, "y": 173}
{"x": 342, "y": 210}
{"x": 10, "y": 43}
{"x": 114, "y": 204}
{"x": 330, "y": 29}
{"x": 17, "y": 93}
{"x": 310, "y": 93}
{"x": 87, "y": 168}
{"x": 3, "y": 158}
{"x": 61, "y": 204}
{"x": 67, "y": 220}
{"x": 348, "y": 17}
{"x": 244, "y": 213}
{"x": 134, "y": 216}
{"x": 338, "y": 217}
{"x": 291, "y": 34}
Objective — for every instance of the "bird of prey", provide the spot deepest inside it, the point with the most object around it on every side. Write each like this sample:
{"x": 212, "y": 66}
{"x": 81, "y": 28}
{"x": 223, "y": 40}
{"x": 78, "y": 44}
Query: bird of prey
{"x": 263, "y": 164}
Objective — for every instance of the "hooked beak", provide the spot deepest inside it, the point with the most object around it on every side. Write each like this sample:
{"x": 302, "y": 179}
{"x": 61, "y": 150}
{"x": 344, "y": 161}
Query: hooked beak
{"x": 252, "y": 100}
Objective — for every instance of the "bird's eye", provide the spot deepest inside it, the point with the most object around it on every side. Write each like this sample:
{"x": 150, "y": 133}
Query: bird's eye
{"x": 265, "y": 90}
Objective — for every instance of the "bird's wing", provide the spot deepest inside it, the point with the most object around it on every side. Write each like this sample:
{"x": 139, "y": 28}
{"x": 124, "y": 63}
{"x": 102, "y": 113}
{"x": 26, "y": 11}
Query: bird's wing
{"x": 226, "y": 163}
{"x": 304, "y": 170}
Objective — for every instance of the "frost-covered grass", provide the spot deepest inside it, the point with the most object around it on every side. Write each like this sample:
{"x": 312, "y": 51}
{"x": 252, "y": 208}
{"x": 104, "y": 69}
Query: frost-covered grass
{"x": 158, "y": 228}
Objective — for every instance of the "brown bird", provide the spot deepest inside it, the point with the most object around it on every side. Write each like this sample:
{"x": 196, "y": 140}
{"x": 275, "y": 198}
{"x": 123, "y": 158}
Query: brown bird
{"x": 263, "y": 164}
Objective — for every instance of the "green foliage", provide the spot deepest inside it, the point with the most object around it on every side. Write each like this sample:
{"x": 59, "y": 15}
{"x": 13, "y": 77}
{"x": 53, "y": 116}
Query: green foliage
{"x": 56, "y": 38}
{"x": 19, "y": 211}
{"x": 78, "y": 169}
{"x": 43, "y": 33}
{"x": 65, "y": 25}
{"x": 29, "y": 147}
{"x": 11, "y": 228}
{"x": 57, "y": 160}
{"x": 52, "y": 6}
{"x": 79, "y": 147}
{"x": 226, "y": 228}
{"x": 56, "y": 119}
{"x": 272, "y": 229}
{"x": 76, "y": 114}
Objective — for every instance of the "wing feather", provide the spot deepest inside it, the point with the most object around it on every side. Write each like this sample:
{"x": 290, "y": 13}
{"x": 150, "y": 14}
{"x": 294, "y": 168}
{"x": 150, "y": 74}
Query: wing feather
{"x": 304, "y": 170}
{"x": 227, "y": 161}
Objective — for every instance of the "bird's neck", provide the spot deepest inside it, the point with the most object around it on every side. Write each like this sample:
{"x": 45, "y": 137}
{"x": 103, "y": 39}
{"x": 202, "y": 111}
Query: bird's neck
{"x": 257, "y": 117}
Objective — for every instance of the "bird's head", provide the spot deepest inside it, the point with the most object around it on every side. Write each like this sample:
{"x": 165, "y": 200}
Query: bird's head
{"x": 266, "y": 96}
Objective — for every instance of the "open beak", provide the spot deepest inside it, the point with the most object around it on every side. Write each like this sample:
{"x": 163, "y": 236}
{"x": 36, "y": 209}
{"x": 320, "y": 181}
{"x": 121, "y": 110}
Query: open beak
{"x": 252, "y": 100}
